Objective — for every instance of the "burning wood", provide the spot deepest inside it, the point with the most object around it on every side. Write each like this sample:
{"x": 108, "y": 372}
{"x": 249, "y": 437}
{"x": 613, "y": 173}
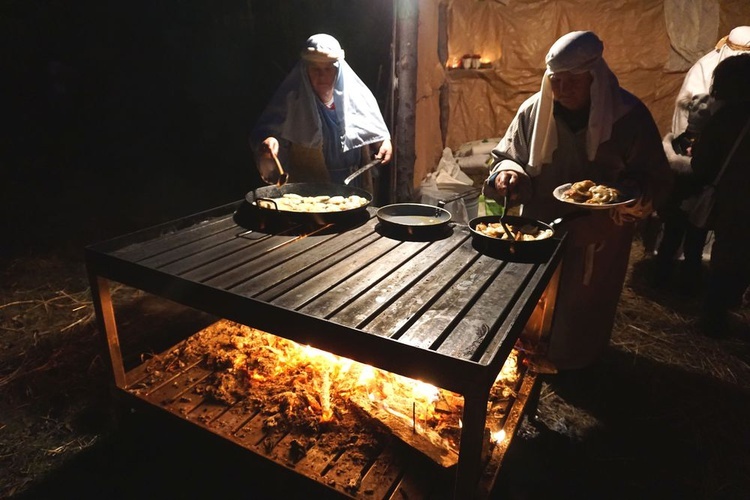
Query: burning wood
{"x": 302, "y": 388}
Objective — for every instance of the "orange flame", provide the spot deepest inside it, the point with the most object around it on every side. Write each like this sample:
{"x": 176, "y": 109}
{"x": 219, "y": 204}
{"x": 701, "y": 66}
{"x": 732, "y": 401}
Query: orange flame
{"x": 425, "y": 408}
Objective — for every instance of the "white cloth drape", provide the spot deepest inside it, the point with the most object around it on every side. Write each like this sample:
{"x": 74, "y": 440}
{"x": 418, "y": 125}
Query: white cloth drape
{"x": 692, "y": 27}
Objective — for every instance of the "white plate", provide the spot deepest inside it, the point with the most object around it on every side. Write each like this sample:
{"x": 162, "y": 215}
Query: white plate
{"x": 559, "y": 190}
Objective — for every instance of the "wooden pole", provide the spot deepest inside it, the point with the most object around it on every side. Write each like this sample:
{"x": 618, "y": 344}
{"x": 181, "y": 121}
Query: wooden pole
{"x": 443, "y": 57}
{"x": 407, "y": 20}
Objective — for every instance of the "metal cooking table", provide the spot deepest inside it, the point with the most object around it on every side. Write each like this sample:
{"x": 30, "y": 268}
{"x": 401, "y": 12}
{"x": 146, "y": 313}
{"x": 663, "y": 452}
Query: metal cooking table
{"x": 435, "y": 310}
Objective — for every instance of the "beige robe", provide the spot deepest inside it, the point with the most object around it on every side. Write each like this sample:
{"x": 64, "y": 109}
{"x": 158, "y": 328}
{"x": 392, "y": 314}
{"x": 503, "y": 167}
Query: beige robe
{"x": 597, "y": 248}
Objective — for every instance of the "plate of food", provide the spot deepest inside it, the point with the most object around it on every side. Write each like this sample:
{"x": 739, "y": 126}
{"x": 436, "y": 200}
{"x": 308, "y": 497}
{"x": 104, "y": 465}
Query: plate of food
{"x": 589, "y": 194}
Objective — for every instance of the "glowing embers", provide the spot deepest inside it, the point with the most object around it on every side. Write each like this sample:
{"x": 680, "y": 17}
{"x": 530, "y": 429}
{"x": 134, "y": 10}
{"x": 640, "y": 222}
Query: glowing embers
{"x": 311, "y": 392}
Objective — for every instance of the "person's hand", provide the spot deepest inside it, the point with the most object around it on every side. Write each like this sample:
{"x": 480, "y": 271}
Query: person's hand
{"x": 516, "y": 186}
{"x": 632, "y": 212}
{"x": 270, "y": 145}
{"x": 386, "y": 151}
{"x": 266, "y": 164}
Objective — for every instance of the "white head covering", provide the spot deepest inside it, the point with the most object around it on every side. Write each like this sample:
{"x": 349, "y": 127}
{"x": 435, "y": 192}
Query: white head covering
{"x": 292, "y": 113}
{"x": 737, "y": 41}
{"x": 322, "y": 48}
{"x": 577, "y": 52}
{"x": 698, "y": 78}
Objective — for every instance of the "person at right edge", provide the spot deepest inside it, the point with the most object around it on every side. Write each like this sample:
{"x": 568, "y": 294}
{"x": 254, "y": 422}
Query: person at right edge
{"x": 582, "y": 125}
{"x": 729, "y": 267}
{"x": 693, "y": 107}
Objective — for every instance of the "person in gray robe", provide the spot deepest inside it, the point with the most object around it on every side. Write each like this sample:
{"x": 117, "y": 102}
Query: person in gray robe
{"x": 322, "y": 122}
{"x": 582, "y": 125}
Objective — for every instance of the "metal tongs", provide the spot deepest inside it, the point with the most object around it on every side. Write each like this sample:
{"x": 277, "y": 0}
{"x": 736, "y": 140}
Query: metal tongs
{"x": 376, "y": 161}
{"x": 505, "y": 211}
{"x": 441, "y": 203}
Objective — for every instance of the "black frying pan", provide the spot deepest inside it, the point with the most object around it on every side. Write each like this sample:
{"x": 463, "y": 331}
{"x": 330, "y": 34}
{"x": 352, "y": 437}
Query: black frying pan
{"x": 419, "y": 215}
{"x": 418, "y": 220}
{"x": 414, "y": 221}
{"x": 519, "y": 251}
{"x": 413, "y": 215}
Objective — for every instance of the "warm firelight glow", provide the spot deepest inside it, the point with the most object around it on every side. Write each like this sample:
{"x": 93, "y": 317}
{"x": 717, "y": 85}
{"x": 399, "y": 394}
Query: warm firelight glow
{"x": 425, "y": 391}
{"x": 412, "y": 401}
{"x": 509, "y": 371}
{"x": 498, "y": 436}
{"x": 471, "y": 61}
{"x": 333, "y": 384}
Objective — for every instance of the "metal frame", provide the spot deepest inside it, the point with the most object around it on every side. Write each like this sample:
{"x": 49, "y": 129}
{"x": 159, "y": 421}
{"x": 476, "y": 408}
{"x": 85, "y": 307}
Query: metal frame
{"x": 205, "y": 244}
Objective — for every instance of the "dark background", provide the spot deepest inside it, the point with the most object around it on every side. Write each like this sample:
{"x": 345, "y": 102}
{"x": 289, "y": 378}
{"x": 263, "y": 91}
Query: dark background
{"x": 117, "y": 115}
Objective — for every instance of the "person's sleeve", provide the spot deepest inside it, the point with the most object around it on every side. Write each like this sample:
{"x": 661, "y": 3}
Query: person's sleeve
{"x": 513, "y": 150}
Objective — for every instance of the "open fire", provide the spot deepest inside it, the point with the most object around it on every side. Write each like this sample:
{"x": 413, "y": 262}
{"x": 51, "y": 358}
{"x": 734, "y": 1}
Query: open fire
{"x": 312, "y": 391}
{"x": 438, "y": 308}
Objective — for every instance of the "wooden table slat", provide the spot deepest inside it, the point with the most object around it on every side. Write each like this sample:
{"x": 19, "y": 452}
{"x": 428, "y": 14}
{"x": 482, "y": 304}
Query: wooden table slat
{"x": 382, "y": 476}
{"x": 318, "y": 279}
{"x": 450, "y": 308}
{"x": 217, "y": 260}
{"x": 220, "y": 245}
{"x": 175, "y": 239}
{"x": 396, "y": 318}
{"x": 262, "y": 271}
{"x": 369, "y": 304}
{"x": 487, "y": 314}
{"x": 364, "y": 278}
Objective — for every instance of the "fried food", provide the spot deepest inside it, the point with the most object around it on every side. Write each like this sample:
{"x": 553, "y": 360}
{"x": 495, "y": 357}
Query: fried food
{"x": 587, "y": 191}
{"x": 603, "y": 194}
{"x": 579, "y": 191}
{"x": 527, "y": 232}
{"x": 292, "y": 202}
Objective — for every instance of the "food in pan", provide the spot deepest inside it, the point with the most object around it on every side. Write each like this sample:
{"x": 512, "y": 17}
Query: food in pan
{"x": 587, "y": 191}
{"x": 292, "y": 202}
{"x": 526, "y": 232}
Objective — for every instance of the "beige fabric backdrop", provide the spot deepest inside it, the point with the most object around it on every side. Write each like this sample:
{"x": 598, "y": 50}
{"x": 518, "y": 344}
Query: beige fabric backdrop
{"x": 514, "y": 37}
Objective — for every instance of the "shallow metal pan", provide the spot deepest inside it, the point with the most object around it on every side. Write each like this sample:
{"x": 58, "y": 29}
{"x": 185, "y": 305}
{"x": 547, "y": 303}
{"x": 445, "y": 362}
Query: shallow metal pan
{"x": 260, "y": 202}
{"x": 414, "y": 221}
{"x": 518, "y": 251}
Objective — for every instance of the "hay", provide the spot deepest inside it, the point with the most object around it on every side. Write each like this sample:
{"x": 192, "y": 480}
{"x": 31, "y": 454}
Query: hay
{"x": 661, "y": 327}
{"x": 663, "y": 414}
{"x": 52, "y": 378}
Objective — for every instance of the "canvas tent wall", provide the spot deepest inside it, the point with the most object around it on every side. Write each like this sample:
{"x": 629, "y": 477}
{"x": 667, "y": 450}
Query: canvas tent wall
{"x": 649, "y": 44}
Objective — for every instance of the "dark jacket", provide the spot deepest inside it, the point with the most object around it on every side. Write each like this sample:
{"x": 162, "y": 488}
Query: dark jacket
{"x": 710, "y": 150}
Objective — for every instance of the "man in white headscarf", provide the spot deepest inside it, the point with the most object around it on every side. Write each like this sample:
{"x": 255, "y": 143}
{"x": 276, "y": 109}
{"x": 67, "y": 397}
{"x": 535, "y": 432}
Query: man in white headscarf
{"x": 321, "y": 121}
{"x": 582, "y": 125}
{"x": 698, "y": 78}
{"x": 693, "y": 108}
